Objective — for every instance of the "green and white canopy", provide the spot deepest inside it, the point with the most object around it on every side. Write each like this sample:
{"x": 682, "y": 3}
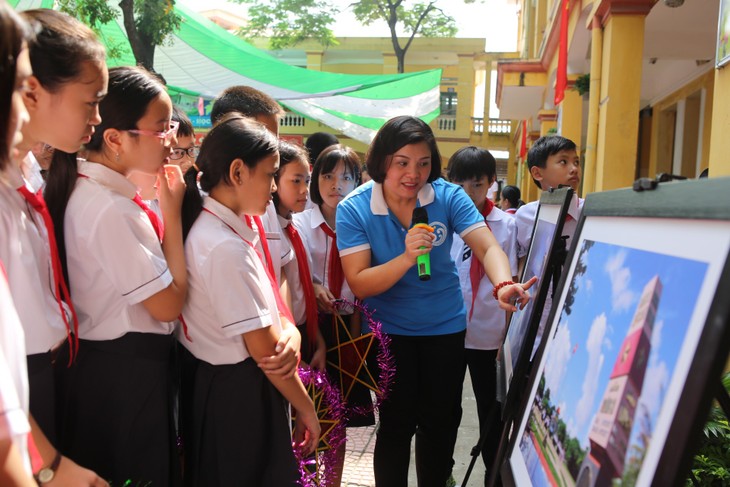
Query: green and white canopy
{"x": 202, "y": 59}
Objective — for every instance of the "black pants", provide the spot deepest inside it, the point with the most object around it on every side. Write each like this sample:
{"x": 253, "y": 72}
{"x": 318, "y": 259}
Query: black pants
{"x": 482, "y": 371}
{"x": 424, "y": 400}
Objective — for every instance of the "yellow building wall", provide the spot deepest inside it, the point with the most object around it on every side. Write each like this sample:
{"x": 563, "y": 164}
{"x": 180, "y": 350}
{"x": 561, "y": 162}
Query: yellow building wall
{"x": 719, "y": 160}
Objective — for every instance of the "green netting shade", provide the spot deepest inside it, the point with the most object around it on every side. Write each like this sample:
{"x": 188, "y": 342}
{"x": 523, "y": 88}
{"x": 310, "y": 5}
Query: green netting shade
{"x": 202, "y": 59}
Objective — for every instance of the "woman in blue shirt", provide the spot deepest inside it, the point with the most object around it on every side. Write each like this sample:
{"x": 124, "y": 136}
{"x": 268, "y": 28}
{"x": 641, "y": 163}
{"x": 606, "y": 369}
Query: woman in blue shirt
{"x": 426, "y": 320}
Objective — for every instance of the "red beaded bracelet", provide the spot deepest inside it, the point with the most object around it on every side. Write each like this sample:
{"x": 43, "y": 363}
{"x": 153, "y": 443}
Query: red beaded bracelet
{"x": 500, "y": 286}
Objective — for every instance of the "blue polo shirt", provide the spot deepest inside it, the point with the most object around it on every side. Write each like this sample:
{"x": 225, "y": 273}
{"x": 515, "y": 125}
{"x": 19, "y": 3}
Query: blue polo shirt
{"x": 411, "y": 306}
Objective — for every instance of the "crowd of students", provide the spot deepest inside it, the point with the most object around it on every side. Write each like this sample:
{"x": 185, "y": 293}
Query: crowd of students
{"x": 157, "y": 297}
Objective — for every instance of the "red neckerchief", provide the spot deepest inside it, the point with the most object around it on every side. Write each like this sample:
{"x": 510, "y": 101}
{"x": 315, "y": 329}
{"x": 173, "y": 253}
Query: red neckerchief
{"x": 60, "y": 287}
{"x": 154, "y": 219}
{"x": 159, "y": 231}
{"x": 283, "y": 308}
{"x": 305, "y": 277}
{"x": 336, "y": 276}
{"x": 256, "y": 220}
{"x": 476, "y": 271}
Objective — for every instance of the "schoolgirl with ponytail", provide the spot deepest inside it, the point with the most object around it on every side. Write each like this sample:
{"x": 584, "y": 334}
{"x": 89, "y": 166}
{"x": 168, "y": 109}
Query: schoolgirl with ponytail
{"x": 128, "y": 280}
{"x": 235, "y": 314}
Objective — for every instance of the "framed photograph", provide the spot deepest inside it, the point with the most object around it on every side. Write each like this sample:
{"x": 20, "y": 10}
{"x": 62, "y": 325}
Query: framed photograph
{"x": 723, "y": 35}
{"x": 636, "y": 342}
{"x": 524, "y": 328}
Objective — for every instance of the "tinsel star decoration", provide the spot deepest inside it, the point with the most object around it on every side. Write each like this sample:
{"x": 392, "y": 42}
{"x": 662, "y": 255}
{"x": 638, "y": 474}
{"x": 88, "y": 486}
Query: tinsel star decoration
{"x": 349, "y": 358}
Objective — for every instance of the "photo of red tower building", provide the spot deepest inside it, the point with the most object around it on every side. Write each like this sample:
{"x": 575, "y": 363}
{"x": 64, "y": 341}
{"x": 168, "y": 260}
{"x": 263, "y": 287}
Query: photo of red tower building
{"x": 611, "y": 428}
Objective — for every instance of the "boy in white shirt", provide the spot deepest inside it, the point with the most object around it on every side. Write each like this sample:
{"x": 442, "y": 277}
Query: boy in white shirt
{"x": 475, "y": 170}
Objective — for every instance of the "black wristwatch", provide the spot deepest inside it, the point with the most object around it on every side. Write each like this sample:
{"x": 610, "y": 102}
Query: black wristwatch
{"x": 46, "y": 474}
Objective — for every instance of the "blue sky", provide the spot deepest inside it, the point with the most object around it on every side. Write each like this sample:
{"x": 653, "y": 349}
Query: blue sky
{"x": 587, "y": 341}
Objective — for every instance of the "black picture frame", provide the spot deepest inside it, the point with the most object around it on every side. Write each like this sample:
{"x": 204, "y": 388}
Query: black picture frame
{"x": 678, "y": 233}
{"x": 541, "y": 259}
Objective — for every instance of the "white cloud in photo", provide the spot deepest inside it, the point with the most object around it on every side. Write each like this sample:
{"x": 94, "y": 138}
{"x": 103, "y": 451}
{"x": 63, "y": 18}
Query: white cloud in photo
{"x": 621, "y": 296}
{"x": 584, "y": 409}
{"x": 556, "y": 363}
{"x": 589, "y": 286}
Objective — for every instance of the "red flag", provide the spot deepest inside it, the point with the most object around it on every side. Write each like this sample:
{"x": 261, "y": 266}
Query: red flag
{"x": 561, "y": 74}
{"x": 523, "y": 142}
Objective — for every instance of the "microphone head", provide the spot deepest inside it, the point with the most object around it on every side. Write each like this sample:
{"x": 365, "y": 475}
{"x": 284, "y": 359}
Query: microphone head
{"x": 420, "y": 215}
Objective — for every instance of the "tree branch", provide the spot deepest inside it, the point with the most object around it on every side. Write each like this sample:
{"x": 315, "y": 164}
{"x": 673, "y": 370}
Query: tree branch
{"x": 423, "y": 15}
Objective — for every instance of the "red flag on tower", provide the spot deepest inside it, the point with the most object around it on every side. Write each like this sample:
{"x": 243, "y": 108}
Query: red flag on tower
{"x": 561, "y": 74}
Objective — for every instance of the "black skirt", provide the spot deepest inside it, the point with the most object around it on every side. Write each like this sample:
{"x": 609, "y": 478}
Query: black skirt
{"x": 241, "y": 434}
{"x": 115, "y": 409}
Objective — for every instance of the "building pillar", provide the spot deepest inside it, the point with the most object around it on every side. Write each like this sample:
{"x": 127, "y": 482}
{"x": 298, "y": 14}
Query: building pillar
{"x": 571, "y": 114}
{"x": 487, "y": 102}
{"x": 465, "y": 93}
{"x": 618, "y": 131}
{"x": 314, "y": 60}
{"x": 594, "y": 98}
{"x": 390, "y": 63}
{"x": 719, "y": 141}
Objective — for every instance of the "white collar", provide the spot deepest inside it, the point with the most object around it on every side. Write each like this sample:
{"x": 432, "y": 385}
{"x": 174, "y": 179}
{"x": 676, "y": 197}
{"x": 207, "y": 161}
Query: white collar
{"x": 378, "y": 205}
{"x": 574, "y": 207}
{"x": 107, "y": 177}
{"x": 317, "y": 217}
{"x": 228, "y": 217}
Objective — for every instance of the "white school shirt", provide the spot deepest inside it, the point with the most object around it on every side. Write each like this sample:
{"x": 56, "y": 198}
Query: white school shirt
{"x": 114, "y": 258}
{"x": 525, "y": 221}
{"x": 25, "y": 250}
{"x": 32, "y": 173}
{"x": 14, "y": 390}
{"x": 319, "y": 245}
{"x": 485, "y": 330}
{"x": 229, "y": 293}
{"x": 291, "y": 271}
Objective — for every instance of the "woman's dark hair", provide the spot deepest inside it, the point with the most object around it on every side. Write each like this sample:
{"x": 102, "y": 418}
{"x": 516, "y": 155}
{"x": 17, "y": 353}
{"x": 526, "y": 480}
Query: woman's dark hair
{"x": 326, "y": 163}
{"x": 131, "y": 90}
{"x": 185, "y": 129}
{"x": 471, "y": 163}
{"x": 233, "y": 137}
{"x": 288, "y": 152}
{"x": 13, "y": 33}
{"x": 394, "y": 135}
{"x": 513, "y": 195}
{"x": 61, "y": 47}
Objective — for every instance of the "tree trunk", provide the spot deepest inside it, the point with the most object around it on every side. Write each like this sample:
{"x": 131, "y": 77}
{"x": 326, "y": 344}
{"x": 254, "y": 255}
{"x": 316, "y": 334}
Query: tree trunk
{"x": 142, "y": 48}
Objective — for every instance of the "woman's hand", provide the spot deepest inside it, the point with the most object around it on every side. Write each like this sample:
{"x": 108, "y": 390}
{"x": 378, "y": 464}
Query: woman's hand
{"x": 514, "y": 294}
{"x": 72, "y": 475}
{"x": 306, "y": 431}
{"x": 286, "y": 360}
{"x": 418, "y": 242}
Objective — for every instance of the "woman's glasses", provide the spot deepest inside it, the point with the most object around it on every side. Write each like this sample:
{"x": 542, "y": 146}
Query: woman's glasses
{"x": 179, "y": 153}
{"x": 167, "y": 134}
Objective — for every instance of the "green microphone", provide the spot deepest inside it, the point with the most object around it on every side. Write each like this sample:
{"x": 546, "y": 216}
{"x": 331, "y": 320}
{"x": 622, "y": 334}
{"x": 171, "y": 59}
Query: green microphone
{"x": 423, "y": 262}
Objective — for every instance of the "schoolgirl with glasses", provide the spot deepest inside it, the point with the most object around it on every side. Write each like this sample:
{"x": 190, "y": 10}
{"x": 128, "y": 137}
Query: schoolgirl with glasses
{"x": 127, "y": 273}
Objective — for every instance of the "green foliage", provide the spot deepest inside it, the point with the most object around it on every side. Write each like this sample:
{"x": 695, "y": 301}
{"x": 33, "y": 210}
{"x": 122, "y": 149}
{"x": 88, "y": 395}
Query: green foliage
{"x": 156, "y": 20}
{"x": 583, "y": 84}
{"x": 288, "y": 22}
{"x": 712, "y": 462}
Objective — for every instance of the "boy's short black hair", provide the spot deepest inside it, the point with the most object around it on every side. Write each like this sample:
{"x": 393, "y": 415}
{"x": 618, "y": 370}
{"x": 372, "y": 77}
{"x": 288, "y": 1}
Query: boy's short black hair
{"x": 543, "y": 148}
{"x": 185, "y": 129}
{"x": 471, "y": 162}
{"x": 317, "y": 142}
{"x": 246, "y": 100}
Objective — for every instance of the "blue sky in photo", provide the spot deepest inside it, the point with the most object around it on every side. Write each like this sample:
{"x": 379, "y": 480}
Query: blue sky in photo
{"x": 582, "y": 355}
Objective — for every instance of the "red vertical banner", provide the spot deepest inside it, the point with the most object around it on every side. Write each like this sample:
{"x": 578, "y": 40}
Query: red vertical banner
{"x": 561, "y": 73}
{"x": 523, "y": 141}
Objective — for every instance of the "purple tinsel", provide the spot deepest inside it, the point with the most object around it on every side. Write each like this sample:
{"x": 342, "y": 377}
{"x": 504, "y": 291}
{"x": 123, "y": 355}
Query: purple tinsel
{"x": 317, "y": 470}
